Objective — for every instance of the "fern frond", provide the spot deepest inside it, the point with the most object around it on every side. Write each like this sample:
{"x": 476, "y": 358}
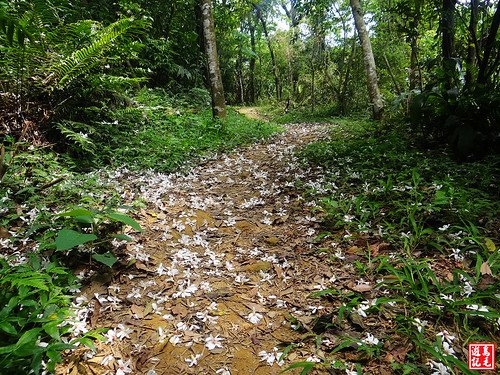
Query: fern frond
{"x": 116, "y": 83}
{"x": 79, "y": 138}
{"x": 180, "y": 71}
{"x": 86, "y": 58}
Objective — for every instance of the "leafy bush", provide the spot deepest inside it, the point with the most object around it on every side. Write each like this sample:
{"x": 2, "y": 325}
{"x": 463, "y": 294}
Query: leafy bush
{"x": 168, "y": 132}
{"x": 95, "y": 231}
{"x": 422, "y": 230}
{"x": 66, "y": 69}
{"x": 35, "y": 299}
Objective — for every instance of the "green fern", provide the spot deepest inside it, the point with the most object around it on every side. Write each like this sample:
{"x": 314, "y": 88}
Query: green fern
{"x": 86, "y": 58}
{"x": 72, "y": 130}
{"x": 116, "y": 83}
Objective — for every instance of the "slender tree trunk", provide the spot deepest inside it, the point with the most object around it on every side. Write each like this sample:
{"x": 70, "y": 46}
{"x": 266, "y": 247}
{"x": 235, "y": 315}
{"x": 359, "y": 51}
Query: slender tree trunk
{"x": 239, "y": 71}
{"x": 215, "y": 79}
{"x": 471, "y": 50}
{"x": 369, "y": 60}
{"x": 391, "y": 74}
{"x": 271, "y": 52}
{"x": 294, "y": 18}
{"x": 313, "y": 97}
{"x": 251, "y": 86}
{"x": 448, "y": 40}
{"x": 345, "y": 83}
{"x": 415, "y": 78}
{"x": 488, "y": 47}
{"x": 415, "y": 71}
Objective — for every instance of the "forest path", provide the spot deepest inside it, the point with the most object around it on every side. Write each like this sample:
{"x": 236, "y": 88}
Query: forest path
{"x": 227, "y": 254}
{"x": 253, "y": 113}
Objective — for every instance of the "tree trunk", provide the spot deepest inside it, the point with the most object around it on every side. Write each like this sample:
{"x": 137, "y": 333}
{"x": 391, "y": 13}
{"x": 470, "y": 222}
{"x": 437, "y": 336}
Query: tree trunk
{"x": 343, "y": 89}
{"x": 415, "y": 74}
{"x": 415, "y": 78}
{"x": 471, "y": 50}
{"x": 251, "y": 86}
{"x": 271, "y": 51}
{"x": 313, "y": 97}
{"x": 294, "y": 18}
{"x": 239, "y": 70}
{"x": 369, "y": 60}
{"x": 448, "y": 40}
{"x": 215, "y": 79}
{"x": 391, "y": 74}
{"x": 488, "y": 47}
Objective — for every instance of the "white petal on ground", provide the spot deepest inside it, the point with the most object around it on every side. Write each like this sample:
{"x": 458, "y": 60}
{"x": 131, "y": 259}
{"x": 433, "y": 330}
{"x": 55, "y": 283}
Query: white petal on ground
{"x": 254, "y": 317}
{"x": 212, "y": 342}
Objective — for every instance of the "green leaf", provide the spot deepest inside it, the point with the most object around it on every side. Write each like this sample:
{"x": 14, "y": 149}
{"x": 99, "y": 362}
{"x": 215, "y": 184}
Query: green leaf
{"x": 441, "y": 198}
{"x": 125, "y": 219}
{"x": 52, "y": 329}
{"x": 7, "y": 349}
{"x": 306, "y": 367}
{"x": 107, "y": 258}
{"x": 30, "y": 336}
{"x": 490, "y": 245}
{"x": 36, "y": 363}
{"x": 123, "y": 237}
{"x": 85, "y": 341}
{"x": 67, "y": 239}
{"x": 8, "y": 328}
{"x": 80, "y": 214}
{"x": 77, "y": 212}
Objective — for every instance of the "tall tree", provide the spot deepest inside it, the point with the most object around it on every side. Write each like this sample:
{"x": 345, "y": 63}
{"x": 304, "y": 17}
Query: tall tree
{"x": 484, "y": 72}
{"x": 251, "y": 85}
{"x": 294, "y": 16}
{"x": 214, "y": 76}
{"x": 448, "y": 40}
{"x": 472, "y": 39}
{"x": 369, "y": 60}
{"x": 277, "y": 84}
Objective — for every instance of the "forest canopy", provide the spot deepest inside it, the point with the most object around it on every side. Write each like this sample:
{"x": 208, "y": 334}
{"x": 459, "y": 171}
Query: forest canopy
{"x": 434, "y": 64}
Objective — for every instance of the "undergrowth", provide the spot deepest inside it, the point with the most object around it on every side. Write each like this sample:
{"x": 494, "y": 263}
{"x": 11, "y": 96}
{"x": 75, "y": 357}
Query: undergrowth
{"x": 420, "y": 234}
{"x": 160, "y": 131}
{"x": 61, "y": 209}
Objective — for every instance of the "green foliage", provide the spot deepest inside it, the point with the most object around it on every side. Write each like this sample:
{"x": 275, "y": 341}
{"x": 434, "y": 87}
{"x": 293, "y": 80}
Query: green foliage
{"x": 67, "y": 239}
{"x": 101, "y": 225}
{"x": 437, "y": 220}
{"x": 305, "y": 366}
{"x": 171, "y": 133}
{"x": 84, "y": 59}
{"x": 403, "y": 190}
{"x": 35, "y": 300}
{"x": 64, "y": 67}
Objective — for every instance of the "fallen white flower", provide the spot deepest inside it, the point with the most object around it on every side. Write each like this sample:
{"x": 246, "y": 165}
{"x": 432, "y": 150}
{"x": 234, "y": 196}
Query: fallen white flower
{"x": 212, "y": 342}
{"x": 123, "y": 332}
{"x": 370, "y": 339}
{"x": 254, "y": 317}
{"x": 123, "y": 367}
{"x": 193, "y": 359}
{"x": 175, "y": 339}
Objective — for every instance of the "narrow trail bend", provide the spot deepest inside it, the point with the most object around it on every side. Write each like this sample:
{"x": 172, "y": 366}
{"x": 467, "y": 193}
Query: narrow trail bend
{"x": 227, "y": 254}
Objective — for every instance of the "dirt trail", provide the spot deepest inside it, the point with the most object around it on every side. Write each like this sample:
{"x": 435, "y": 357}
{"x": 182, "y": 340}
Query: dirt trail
{"x": 226, "y": 256}
{"x": 253, "y": 113}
